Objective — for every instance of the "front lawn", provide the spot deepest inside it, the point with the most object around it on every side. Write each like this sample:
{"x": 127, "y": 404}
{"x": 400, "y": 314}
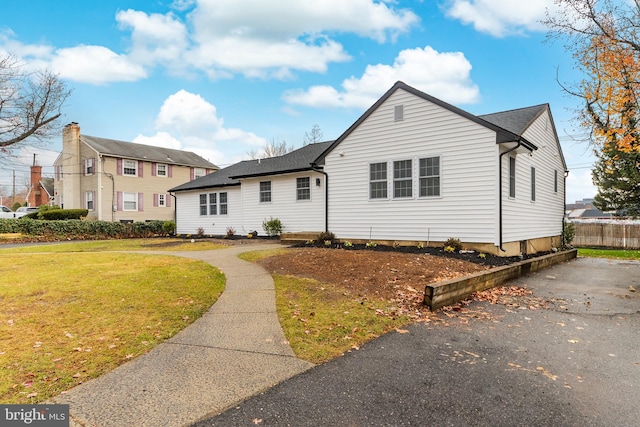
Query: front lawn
{"x": 68, "y": 317}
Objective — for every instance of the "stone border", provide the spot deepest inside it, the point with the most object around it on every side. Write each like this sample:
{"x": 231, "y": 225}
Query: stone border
{"x": 437, "y": 295}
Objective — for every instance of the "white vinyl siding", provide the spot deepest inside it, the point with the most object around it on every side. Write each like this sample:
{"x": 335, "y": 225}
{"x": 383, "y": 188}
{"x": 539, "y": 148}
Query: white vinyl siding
{"x": 188, "y": 219}
{"x": 468, "y": 161}
{"x": 524, "y": 220}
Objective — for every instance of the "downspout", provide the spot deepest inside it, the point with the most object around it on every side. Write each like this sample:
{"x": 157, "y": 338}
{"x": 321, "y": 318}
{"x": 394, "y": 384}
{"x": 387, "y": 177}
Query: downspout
{"x": 113, "y": 190}
{"x": 175, "y": 209}
{"x": 564, "y": 203}
{"x": 326, "y": 196}
{"x": 500, "y": 192}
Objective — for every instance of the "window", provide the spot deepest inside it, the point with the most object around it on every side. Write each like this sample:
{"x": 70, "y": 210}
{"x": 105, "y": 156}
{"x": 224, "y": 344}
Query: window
{"x": 130, "y": 201}
{"x": 203, "y": 204}
{"x": 398, "y": 113}
{"x": 378, "y": 180}
{"x": 89, "y": 166}
{"x": 533, "y": 184}
{"x": 162, "y": 200}
{"x": 59, "y": 173}
{"x": 89, "y": 200}
{"x": 402, "y": 183}
{"x": 265, "y": 191}
{"x": 130, "y": 168}
{"x": 213, "y": 204}
{"x": 512, "y": 177}
{"x": 199, "y": 173}
{"x": 430, "y": 177}
{"x": 555, "y": 181}
{"x": 161, "y": 170}
{"x": 303, "y": 188}
{"x": 223, "y": 203}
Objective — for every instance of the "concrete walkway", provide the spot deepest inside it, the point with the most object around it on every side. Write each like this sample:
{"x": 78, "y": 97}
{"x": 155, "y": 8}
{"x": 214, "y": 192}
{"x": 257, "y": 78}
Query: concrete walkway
{"x": 235, "y": 350}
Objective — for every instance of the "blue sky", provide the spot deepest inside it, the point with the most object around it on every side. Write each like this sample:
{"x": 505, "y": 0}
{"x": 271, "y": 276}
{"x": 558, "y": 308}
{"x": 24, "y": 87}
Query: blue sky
{"x": 224, "y": 77}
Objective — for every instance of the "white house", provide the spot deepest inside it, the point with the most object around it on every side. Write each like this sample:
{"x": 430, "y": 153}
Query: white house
{"x": 411, "y": 169}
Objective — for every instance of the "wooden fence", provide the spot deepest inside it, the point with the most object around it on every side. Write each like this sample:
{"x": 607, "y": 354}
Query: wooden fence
{"x": 610, "y": 235}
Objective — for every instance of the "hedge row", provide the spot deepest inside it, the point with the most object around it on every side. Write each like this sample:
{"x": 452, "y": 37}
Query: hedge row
{"x": 81, "y": 229}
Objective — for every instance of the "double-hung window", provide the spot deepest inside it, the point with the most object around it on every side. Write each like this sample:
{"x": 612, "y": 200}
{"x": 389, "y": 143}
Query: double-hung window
{"x": 162, "y": 200}
{"x": 430, "y": 177}
{"x": 223, "y": 203}
{"x": 203, "y": 204}
{"x": 161, "y": 170}
{"x": 402, "y": 181}
{"x": 265, "y": 191}
{"x": 89, "y": 166}
{"x": 130, "y": 201}
{"x": 130, "y": 167}
{"x": 303, "y": 188}
{"x": 89, "y": 200}
{"x": 213, "y": 204}
{"x": 378, "y": 180}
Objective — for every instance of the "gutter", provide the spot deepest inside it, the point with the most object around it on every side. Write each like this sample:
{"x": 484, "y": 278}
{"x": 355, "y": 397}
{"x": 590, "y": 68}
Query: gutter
{"x": 326, "y": 195}
{"x": 500, "y": 192}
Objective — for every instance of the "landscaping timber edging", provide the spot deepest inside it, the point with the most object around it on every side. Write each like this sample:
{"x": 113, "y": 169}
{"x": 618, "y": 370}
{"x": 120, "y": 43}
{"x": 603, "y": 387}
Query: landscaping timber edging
{"x": 437, "y": 295}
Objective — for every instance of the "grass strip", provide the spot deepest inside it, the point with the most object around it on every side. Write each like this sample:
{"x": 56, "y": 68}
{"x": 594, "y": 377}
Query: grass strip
{"x": 68, "y": 318}
{"x": 155, "y": 244}
{"x": 609, "y": 253}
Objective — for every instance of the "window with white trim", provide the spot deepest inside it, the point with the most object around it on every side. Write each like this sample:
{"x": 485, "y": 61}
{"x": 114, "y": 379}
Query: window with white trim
{"x": 402, "y": 181}
{"x": 303, "y": 188}
{"x": 533, "y": 184}
{"x": 512, "y": 177}
{"x": 129, "y": 201}
{"x": 265, "y": 191}
{"x": 89, "y": 166}
{"x": 161, "y": 170}
{"x": 213, "y": 204}
{"x": 129, "y": 168}
{"x": 162, "y": 200}
{"x": 555, "y": 181}
{"x": 429, "y": 176}
{"x": 203, "y": 204}
{"x": 199, "y": 173}
{"x": 378, "y": 180}
{"x": 223, "y": 203}
{"x": 88, "y": 196}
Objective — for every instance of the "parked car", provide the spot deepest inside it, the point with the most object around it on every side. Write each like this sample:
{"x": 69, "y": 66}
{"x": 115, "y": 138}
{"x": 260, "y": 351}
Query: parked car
{"x": 6, "y": 213}
{"x": 25, "y": 210}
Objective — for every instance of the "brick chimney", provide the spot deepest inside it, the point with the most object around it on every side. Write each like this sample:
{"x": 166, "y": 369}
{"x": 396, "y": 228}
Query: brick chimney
{"x": 35, "y": 192}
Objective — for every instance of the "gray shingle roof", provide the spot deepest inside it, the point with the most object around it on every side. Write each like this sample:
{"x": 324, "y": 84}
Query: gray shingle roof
{"x": 516, "y": 121}
{"x": 130, "y": 150}
{"x": 296, "y": 161}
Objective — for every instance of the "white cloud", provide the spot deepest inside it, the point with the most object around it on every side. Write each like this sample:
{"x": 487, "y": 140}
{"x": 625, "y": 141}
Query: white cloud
{"x": 95, "y": 65}
{"x": 579, "y": 185}
{"x": 500, "y": 17}
{"x": 186, "y": 121}
{"x": 444, "y": 75}
{"x": 269, "y": 39}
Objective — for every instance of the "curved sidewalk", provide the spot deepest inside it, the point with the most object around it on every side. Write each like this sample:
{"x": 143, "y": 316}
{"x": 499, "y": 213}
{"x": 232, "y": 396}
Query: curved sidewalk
{"x": 235, "y": 350}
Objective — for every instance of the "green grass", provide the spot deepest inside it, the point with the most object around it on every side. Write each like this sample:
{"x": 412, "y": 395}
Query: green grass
{"x": 155, "y": 244}
{"x": 609, "y": 253}
{"x": 322, "y": 321}
{"x": 67, "y": 318}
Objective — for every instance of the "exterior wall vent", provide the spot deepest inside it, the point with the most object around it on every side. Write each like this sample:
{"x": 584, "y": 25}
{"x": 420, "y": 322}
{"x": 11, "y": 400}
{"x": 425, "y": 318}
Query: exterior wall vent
{"x": 398, "y": 113}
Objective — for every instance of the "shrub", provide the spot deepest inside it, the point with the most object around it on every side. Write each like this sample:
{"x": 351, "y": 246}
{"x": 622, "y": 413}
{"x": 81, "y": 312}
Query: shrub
{"x": 200, "y": 232}
{"x": 273, "y": 227}
{"x": 61, "y": 214}
{"x": 169, "y": 227}
{"x": 371, "y": 245}
{"x": 348, "y": 244}
{"x": 326, "y": 235}
{"x": 453, "y": 243}
{"x": 230, "y": 232}
{"x": 568, "y": 232}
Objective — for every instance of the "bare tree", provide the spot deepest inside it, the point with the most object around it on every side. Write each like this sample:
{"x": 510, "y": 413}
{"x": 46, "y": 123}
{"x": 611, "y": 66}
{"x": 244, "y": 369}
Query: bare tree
{"x": 313, "y": 136}
{"x": 30, "y": 103}
{"x": 271, "y": 149}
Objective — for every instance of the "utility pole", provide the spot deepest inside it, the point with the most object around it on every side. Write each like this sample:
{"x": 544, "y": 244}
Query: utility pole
{"x": 13, "y": 197}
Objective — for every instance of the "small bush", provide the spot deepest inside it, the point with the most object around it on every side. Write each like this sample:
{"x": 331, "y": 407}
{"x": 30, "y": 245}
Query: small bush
{"x": 326, "y": 235}
{"x": 568, "y": 232}
{"x": 200, "y": 232}
{"x": 453, "y": 243}
{"x": 348, "y": 244}
{"x": 230, "y": 232}
{"x": 169, "y": 227}
{"x": 272, "y": 226}
{"x": 371, "y": 245}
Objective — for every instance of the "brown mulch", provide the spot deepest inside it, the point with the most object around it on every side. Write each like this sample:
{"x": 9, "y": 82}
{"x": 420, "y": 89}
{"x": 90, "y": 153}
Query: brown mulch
{"x": 398, "y": 278}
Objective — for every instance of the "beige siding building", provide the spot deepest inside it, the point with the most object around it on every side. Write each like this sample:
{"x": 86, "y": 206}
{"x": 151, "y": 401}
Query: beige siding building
{"x": 121, "y": 181}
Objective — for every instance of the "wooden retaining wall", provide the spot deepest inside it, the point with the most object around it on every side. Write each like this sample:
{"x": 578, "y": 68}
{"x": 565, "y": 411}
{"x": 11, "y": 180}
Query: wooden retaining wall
{"x": 437, "y": 295}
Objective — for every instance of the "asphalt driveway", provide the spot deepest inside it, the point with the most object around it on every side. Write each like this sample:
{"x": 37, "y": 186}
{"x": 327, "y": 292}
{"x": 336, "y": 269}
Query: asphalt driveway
{"x": 576, "y": 363}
